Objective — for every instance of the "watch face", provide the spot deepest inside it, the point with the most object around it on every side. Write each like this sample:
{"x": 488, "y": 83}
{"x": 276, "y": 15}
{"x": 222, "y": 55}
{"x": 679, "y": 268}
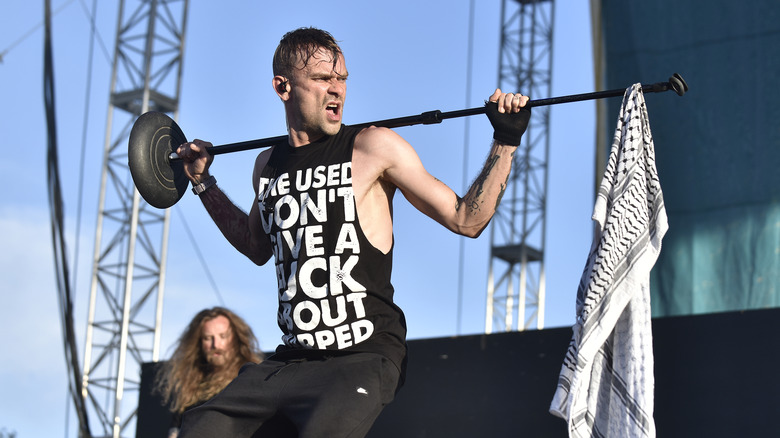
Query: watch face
{"x": 202, "y": 187}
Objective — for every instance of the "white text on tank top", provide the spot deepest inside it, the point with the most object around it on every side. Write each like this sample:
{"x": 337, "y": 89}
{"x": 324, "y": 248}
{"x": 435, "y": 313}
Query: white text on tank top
{"x": 310, "y": 319}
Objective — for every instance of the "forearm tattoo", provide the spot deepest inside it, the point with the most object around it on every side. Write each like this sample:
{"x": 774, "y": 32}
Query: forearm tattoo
{"x": 232, "y": 221}
{"x": 473, "y": 198}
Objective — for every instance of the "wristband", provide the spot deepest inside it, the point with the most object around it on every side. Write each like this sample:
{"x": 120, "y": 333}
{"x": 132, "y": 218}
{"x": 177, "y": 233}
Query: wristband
{"x": 205, "y": 185}
{"x": 508, "y": 128}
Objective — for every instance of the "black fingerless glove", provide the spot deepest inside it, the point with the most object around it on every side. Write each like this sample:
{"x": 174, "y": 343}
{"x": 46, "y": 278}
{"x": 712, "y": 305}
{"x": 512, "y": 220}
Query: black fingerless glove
{"x": 508, "y": 128}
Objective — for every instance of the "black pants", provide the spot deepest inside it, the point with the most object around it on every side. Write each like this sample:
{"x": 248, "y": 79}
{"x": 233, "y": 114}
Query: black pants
{"x": 332, "y": 397}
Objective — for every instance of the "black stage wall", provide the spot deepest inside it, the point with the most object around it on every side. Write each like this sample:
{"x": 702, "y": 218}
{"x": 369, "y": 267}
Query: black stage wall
{"x": 716, "y": 376}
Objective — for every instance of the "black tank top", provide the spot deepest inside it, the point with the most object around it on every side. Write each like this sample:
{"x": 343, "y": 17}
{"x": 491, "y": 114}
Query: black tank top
{"x": 334, "y": 290}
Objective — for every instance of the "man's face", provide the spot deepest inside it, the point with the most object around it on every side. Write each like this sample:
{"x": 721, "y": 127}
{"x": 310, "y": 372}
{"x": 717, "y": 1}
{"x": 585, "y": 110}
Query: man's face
{"x": 317, "y": 96}
{"x": 216, "y": 341}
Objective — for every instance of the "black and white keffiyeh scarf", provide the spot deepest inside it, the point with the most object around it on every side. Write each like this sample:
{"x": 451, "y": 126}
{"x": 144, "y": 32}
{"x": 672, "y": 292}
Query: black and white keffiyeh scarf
{"x": 606, "y": 384}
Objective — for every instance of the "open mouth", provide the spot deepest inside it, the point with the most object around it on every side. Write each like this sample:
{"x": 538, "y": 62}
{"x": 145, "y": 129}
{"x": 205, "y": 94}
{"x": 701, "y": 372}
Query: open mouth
{"x": 333, "y": 109}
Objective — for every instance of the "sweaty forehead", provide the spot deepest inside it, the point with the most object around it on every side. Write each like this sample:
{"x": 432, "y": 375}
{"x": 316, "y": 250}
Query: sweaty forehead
{"x": 322, "y": 62}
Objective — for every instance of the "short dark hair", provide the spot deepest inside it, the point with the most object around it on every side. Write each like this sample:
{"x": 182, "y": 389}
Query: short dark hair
{"x": 300, "y": 45}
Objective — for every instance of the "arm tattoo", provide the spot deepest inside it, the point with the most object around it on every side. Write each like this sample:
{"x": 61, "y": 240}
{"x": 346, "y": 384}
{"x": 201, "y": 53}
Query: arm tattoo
{"x": 506, "y": 182}
{"x": 501, "y": 194}
{"x": 472, "y": 198}
{"x": 231, "y": 220}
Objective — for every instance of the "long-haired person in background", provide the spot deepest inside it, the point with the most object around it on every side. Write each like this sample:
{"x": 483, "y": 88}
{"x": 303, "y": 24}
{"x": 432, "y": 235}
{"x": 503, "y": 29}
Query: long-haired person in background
{"x": 209, "y": 354}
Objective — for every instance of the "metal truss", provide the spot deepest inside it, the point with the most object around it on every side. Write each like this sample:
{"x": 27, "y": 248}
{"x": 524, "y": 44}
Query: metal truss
{"x": 128, "y": 273}
{"x": 515, "y": 291}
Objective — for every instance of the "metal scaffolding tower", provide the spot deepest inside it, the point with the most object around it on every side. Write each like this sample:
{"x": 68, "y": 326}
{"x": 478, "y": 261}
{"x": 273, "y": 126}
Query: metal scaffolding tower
{"x": 515, "y": 291}
{"x": 128, "y": 273}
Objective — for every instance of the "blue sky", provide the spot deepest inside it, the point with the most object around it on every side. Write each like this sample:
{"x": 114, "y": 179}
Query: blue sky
{"x": 404, "y": 57}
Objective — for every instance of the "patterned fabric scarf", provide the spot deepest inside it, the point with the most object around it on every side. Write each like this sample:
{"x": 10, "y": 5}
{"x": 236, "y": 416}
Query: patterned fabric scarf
{"x": 606, "y": 384}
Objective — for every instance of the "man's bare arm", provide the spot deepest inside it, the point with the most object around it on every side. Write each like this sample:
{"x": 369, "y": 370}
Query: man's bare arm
{"x": 485, "y": 193}
{"x": 468, "y": 215}
{"x": 237, "y": 226}
{"x": 242, "y": 230}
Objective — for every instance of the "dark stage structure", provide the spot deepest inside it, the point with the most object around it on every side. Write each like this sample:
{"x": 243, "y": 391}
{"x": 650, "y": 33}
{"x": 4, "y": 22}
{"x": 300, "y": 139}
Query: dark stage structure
{"x": 714, "y": 377}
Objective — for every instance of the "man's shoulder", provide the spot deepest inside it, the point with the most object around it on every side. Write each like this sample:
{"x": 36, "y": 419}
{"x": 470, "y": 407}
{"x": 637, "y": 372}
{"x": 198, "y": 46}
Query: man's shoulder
{"x": 260, "y": 161}
{"x": 373, "y": 131}
{"x": 379, "y": 149}
{"x": 378, "y": 140}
